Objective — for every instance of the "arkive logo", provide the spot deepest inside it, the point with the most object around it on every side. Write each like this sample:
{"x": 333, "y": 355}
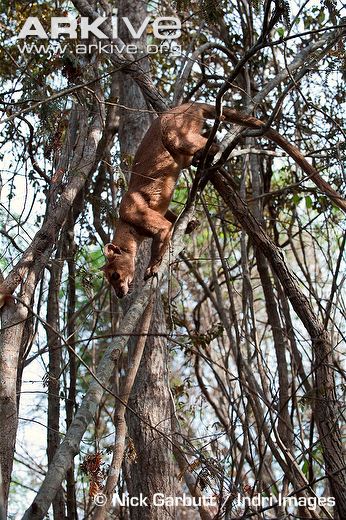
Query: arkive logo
{"x": 164, "y": 27}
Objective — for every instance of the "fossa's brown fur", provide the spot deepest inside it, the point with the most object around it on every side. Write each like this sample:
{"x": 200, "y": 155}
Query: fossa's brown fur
{"x": 168, "y": 146}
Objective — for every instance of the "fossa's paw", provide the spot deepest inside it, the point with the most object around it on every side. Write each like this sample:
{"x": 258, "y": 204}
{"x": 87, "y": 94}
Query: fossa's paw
{"x": 192, "y": 225}
{"x": 197, "y": 157}
{"x": 152, "y": 270}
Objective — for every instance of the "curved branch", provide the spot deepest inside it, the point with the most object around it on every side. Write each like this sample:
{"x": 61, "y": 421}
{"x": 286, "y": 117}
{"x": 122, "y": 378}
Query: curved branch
{"x": 124, "y": 60}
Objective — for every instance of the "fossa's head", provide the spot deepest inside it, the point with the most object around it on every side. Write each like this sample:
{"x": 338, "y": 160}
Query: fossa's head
{"x": 119, "y": 270}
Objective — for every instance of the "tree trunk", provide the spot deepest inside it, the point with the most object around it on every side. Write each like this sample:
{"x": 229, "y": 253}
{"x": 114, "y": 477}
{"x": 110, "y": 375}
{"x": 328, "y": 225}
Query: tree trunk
{"x": 71, "y": 502}
{"x": 54, "y": 369}
{"x": 153, "y": 471}
{"x": 12, "y": 323}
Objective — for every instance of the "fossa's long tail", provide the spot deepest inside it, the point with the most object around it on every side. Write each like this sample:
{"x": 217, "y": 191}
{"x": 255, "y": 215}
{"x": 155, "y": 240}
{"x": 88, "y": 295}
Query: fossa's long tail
{"x": 234, "y": 116}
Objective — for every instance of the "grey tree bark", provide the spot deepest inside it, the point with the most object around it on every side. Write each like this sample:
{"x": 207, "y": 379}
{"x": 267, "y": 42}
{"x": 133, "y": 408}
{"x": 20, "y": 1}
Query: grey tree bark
{"x": 54, "y": 368}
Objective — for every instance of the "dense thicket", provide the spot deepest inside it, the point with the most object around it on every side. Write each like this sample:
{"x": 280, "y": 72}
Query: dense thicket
{"x": 227, "y": 380}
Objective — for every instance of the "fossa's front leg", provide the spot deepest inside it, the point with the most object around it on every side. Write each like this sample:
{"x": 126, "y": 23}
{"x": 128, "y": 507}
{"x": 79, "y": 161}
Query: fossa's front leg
{"x": 159, "y": 246}
{"x": 150, "y": 223}
{"x": 161, "y": 240}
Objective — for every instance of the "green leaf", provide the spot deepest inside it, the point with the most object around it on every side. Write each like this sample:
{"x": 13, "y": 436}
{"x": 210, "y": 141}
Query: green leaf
{"x": 308, "y": 202}
{"x": 296, "y": 199}
{"x": 305, "y": 467}
{"x": 321, "y": 17}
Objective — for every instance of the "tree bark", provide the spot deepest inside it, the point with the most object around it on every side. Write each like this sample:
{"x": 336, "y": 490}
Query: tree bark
{"x": 153, "y": 471}
{"x": 119, "y": 414}
{"x": 54, "y": 369}
{"x": 71, "y": 501}
{"x": 12, "y": 326}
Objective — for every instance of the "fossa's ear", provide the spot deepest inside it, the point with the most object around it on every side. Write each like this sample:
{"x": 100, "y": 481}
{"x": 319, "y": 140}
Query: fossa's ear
{"x": 111, "y": 250}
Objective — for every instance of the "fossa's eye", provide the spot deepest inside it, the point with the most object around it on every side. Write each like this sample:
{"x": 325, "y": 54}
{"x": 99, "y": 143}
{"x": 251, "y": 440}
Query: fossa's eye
{"x": 115, "y": 277}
